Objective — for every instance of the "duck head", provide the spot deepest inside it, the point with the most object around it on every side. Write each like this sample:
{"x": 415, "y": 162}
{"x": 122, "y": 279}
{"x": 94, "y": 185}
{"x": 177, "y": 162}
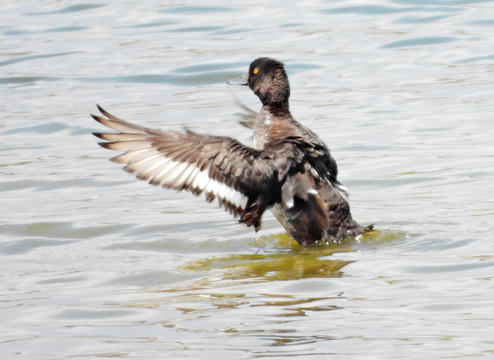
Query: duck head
{"x": 268, "y": 80}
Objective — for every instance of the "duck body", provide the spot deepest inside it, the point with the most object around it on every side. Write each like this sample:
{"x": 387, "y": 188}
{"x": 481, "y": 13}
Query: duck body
{"x": 288, "y": 169}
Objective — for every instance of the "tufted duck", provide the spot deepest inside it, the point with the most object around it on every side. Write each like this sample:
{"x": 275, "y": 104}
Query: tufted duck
{"x": 289, "y": 169}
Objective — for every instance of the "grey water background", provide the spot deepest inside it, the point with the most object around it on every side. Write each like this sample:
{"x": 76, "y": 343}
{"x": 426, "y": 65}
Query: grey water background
{"x": 96, "y": 264}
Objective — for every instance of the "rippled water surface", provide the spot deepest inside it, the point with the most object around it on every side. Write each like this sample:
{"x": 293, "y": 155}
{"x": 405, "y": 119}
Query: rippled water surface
{"x": 97, "y": 264}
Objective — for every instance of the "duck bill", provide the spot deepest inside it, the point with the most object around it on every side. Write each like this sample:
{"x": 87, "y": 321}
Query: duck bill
{"x": 239, "y": 81}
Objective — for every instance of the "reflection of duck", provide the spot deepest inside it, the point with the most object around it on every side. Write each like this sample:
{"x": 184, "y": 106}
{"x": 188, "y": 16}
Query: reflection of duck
{"x": 289, "y": 169}
{"x": 271, "y": 267}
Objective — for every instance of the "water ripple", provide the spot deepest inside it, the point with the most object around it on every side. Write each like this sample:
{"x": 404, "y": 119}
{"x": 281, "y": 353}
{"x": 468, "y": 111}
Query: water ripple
{"x": 183, "y": 80}
{"x": 95, "y": 264}
{"x": 35, "y": 57}
{"x": 197, "y": 9}
{"x": 429, "y": 40}
{"x": 20, "y": 80}
{"x": 68, "y": 9}
{"x": 371, "y": 10}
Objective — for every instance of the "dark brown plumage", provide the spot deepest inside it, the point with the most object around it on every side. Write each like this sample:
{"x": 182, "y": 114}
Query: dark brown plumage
{"x": 289, "y": 169}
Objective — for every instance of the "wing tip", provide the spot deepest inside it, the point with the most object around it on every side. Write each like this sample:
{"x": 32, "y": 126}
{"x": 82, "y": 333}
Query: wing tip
{"x": 103, "y": 111}
{"x": 106, "y": 114}
{"x": 97, "y": 118}
{"x": 99, "y": 135}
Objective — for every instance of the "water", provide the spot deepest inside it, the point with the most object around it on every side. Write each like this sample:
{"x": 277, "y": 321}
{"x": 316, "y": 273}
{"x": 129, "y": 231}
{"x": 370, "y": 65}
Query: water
{"x": 96, "y": 264}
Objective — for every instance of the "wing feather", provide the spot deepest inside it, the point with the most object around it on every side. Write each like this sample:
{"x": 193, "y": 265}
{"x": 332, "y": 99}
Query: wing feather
{"x": 189, "y": 161}
{"x": 245, "y": 181}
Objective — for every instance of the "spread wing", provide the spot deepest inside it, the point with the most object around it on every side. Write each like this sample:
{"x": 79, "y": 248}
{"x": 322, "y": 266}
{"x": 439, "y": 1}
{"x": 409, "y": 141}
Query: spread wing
{"x": 325, "y": 165}
{"x": 319, "y": 160}
{"x": 245, "y": 181}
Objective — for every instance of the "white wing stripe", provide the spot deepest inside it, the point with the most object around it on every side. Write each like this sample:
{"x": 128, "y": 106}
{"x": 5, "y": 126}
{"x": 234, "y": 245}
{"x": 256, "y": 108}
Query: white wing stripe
{"x": 166, "y": 169}
{"x": 212, "y": 186}
{"x": 203, "y": 180}
{"x": 180, "y": 179}
{"x": 152, "y": 165}
{"x": 227, "y": 193}
{"x": 176, "y": 171}
{"x": 190, "y": 179}
{"x": 164, "y": 173}
{"x": 133, "y": 155}
{"x": 156, "y": 172}
{"x": 237, "y": 199}
{"x": 141, "y": 163}
{"x": 152, "y": 170}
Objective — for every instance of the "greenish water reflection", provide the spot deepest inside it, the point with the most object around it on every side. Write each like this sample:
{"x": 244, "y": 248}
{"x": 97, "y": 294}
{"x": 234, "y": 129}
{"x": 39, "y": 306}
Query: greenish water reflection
{"x": 284, "y": 259}
{"x": 271, "y": 267}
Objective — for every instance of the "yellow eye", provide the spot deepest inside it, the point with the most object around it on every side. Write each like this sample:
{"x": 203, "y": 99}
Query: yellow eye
{"x": 255, "y": 71}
